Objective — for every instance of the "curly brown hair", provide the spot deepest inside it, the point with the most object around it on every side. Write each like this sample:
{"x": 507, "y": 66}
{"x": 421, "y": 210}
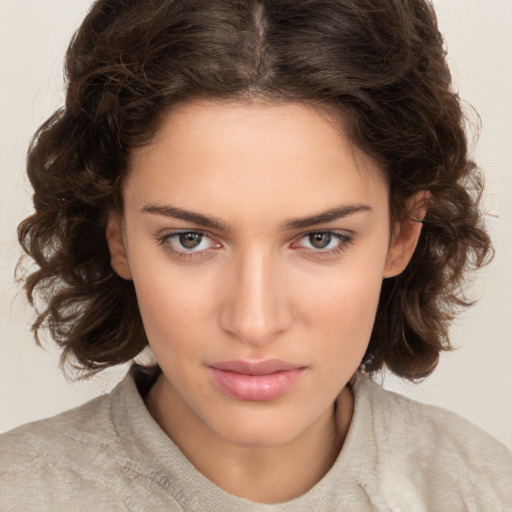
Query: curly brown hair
{"x": 380, "y": 64}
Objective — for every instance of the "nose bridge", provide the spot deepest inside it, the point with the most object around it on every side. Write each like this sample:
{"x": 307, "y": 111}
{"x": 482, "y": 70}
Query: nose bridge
{"x": 257, "y": 308}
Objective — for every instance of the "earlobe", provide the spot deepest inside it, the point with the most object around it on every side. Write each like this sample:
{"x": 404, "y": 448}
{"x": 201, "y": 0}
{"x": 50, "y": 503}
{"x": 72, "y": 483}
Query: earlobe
{"x": 405, "y": 235}
{"x": 116, "y": 245}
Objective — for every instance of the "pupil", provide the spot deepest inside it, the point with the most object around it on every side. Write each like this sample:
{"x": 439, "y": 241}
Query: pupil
{"x": 190, "y": 240}
{"x": 320, "y": 240}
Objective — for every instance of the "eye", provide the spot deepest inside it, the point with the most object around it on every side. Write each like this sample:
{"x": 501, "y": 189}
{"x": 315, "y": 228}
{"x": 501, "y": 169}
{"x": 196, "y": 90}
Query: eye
{"x": 323, "y": 241}
{"x": 190, "y": 240}
{"x": 187, "y": 243}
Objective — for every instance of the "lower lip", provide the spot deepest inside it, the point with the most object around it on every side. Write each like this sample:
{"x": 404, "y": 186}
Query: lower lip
{"x": 255, "y": 388}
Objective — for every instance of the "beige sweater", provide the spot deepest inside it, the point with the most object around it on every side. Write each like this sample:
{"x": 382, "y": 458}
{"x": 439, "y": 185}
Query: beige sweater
{"x": 110, "y": 455}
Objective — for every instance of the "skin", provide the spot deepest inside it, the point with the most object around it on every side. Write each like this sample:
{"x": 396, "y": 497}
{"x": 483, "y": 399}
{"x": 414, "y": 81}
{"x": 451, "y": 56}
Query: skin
{"x": 257, "y": 286}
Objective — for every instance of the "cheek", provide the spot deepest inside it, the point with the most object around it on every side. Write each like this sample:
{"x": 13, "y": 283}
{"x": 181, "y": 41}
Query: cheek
{"x": 351, "y": 289}
{"x": 349, "y": 316}
{"x": 173, "y": 305}
{"x": 341, "y": 310}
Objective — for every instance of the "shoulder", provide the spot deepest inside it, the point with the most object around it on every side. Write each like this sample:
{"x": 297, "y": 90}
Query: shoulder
{"x": 52, "y": 462}
{"x": 99, "y": 456}
{"x": 59, "y": 436}
{"x": 436, "y": 452}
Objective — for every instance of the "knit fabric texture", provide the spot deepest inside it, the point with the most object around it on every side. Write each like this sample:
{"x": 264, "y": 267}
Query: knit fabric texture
{"x": 110, "y": 454}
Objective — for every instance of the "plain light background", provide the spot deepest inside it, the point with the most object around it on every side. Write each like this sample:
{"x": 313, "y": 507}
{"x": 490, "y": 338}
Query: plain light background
{"x": 475, "y": 380}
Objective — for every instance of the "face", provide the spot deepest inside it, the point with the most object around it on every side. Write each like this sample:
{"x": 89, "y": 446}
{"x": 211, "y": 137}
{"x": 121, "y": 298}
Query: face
{"x": 257, "y": 239}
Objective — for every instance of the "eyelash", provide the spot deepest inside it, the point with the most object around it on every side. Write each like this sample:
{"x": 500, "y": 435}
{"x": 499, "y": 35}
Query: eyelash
{"x": 167, "y": 240}
{"x": 344, "y": 240}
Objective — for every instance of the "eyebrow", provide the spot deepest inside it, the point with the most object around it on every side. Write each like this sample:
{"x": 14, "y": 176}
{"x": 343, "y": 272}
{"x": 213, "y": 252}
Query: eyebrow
{"x": 327, "y": 216}
{"x": 214, "y": 223}
{"x": 179, "y": 213}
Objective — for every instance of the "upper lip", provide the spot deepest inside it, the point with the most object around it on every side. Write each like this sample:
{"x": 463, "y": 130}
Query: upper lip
{"x": 255, "y": 367}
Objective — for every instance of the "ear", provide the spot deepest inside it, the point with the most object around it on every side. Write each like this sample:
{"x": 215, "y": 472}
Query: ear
{"x": 406, "y": 233}
{"x": 116, "y": 245}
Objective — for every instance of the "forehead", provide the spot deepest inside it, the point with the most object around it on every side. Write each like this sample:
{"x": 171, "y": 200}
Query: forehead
{"x": 219, "y": 155}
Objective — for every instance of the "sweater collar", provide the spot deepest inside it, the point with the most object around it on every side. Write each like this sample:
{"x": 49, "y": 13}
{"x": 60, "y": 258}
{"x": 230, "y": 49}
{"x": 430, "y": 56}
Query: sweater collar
{"x": 159, "y": 459}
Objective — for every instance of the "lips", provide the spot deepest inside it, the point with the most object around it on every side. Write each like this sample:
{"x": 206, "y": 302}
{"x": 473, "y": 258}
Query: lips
{"x": 255, "y": 381}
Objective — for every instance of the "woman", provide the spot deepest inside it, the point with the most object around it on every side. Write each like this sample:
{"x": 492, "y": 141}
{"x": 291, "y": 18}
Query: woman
{"x": 273, "y": 195}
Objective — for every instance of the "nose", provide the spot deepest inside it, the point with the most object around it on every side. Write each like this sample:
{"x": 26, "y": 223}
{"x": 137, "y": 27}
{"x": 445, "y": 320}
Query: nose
{"x": 256, "y": 309}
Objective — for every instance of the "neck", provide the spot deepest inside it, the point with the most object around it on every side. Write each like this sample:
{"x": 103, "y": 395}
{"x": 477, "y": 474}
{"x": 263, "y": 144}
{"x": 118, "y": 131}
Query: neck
{"x": 283, "y": 472}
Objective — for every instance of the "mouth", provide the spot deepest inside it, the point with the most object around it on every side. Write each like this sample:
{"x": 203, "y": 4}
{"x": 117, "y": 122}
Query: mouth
{"x": 255, "y": 381}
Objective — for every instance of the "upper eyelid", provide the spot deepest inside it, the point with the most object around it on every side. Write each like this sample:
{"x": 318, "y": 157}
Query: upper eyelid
{"x": 171, "y": 233}
{"x": 343, "y": 239}
{"x": 204, "y": 232}
{"x": 164, "y": 237}
{"x": 165, "y": 240}
{"x": 341, "y": 234}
